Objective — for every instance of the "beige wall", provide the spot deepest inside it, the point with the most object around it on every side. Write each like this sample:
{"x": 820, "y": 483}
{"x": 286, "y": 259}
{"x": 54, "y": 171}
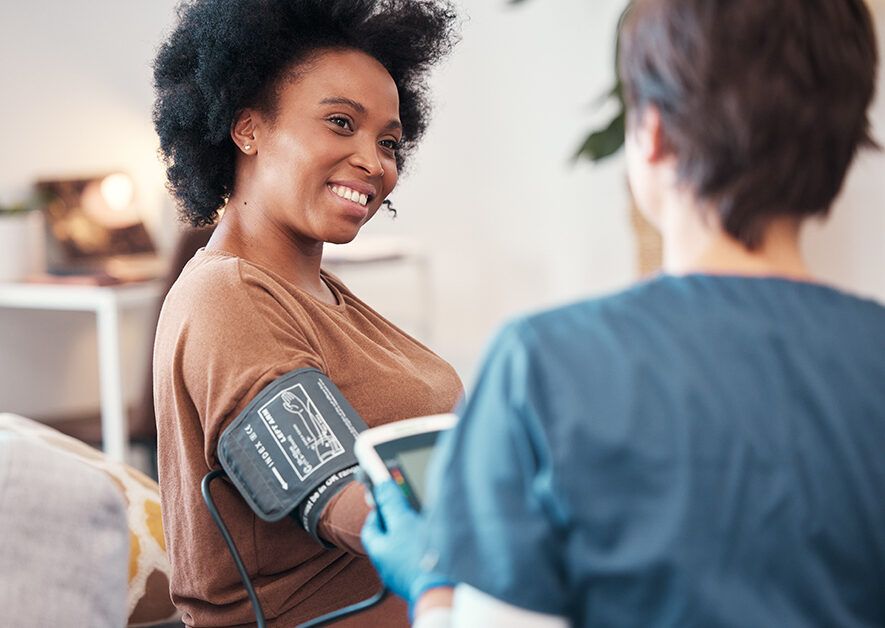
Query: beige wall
{"x": 849, "y": 249}
{"x": 507, "y": 222}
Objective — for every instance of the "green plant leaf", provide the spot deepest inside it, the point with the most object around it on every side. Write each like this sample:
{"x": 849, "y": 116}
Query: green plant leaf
{"x": 605, "y": 142}
{"x": 13, "y": 209}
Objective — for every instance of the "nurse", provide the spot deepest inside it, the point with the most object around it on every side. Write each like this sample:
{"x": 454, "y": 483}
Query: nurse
{"x": 705, "y": 448}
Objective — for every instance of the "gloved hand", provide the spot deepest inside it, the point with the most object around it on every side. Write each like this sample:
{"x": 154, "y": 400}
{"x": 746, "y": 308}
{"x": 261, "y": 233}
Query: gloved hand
{"x": 399, "y": 552}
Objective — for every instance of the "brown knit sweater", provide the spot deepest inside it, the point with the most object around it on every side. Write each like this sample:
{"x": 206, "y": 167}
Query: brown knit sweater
{"x": 228, "y": 329}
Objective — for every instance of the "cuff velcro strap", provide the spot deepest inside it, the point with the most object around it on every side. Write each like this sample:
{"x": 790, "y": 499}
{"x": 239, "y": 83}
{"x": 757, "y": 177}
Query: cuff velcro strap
{"x": 310, "y": 510}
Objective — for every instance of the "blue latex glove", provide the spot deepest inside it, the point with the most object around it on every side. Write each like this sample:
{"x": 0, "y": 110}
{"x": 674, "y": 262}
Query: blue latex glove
{"x": 399, "y": 552}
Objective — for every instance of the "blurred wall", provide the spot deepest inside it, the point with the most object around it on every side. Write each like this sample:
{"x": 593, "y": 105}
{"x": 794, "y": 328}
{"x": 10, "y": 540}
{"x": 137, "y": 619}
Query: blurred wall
{"x": 507, "y": 222}
{"x": 76, "y": 100}
{"x": 849, "y": 248}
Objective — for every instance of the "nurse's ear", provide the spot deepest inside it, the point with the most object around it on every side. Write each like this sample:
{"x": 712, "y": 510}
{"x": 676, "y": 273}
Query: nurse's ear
{"x": 243, "y": 131}
{"x": 648, "y": 135}
{"x": 651, "y": 165}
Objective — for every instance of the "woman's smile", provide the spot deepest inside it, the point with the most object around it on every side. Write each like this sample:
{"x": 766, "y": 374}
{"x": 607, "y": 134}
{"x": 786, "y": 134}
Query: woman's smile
{"x": 354, "y": 202}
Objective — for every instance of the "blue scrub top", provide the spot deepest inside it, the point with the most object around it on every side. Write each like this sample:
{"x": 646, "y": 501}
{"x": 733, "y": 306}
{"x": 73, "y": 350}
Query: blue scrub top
{"x": 695, "y": 451}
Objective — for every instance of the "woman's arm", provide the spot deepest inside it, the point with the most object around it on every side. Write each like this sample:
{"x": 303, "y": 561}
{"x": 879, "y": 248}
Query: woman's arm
{"x": 466, "y": 607}
{"x": 343, "y": 518}
{"x": 432, "y": 605}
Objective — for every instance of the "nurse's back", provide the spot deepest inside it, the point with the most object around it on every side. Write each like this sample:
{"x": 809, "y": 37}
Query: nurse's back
{"x": 719, "y": 452}
{"x": 705, "y": 449}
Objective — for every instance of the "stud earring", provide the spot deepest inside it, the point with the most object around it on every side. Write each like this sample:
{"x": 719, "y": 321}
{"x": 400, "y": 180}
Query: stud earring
{"x": 247, "y": 147}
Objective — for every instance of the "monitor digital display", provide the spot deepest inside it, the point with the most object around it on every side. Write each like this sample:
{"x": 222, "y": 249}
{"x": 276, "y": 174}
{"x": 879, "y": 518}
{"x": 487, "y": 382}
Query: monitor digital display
{"x": 409, "y": 470}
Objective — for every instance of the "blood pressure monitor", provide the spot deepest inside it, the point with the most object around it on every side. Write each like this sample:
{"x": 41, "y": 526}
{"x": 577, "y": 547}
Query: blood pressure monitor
{"x": 401, "y": 451}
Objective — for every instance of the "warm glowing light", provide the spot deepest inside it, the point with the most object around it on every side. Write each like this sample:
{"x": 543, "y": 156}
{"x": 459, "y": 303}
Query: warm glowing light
{"x": 117, "y": 190}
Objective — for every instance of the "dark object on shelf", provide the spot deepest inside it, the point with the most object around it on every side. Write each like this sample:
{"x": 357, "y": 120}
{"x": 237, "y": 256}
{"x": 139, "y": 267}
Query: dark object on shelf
{"x": 93, "y": 227}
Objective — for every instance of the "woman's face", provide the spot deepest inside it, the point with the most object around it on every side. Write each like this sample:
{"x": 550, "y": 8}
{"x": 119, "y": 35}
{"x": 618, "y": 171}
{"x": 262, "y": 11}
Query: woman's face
{"x": 327, "y": 160}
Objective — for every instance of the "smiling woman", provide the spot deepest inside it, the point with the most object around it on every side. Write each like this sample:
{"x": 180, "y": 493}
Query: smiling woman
{"x": 294, "y": 118}
{"x": 318, "y": 167}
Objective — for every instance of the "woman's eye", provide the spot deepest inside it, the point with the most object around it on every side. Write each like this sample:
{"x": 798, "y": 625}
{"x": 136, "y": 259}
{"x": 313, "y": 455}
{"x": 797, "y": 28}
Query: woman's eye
{"x": 391, "y": 145}
{"x": 344, "y": 123}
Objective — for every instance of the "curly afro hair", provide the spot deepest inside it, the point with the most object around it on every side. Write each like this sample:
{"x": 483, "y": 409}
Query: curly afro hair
{"x": 225, "y": 55}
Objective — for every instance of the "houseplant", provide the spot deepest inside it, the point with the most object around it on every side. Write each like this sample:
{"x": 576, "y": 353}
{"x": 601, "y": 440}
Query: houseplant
{"x": 606, "y": 141}
{"x": 21, "y": 240}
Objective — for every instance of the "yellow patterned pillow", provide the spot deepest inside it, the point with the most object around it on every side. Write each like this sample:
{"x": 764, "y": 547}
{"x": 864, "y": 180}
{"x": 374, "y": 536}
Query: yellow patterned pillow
{"x": 148, "y": 600}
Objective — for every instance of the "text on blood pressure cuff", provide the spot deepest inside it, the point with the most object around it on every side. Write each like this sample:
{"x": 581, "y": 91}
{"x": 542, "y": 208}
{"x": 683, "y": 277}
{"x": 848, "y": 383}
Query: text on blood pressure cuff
{"x": 291, "y": 450}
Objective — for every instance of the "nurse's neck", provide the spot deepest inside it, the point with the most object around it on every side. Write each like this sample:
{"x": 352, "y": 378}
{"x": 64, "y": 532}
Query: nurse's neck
{"x": 695, "y": 242}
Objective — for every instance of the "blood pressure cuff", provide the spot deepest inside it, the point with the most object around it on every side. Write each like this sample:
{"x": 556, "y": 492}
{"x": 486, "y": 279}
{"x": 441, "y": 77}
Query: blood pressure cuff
{"x": 291, "y": 450}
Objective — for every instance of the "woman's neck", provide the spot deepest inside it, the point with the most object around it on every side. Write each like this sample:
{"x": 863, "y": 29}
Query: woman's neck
{"x": 246, "y": 232}
{"x": 693, "y": 244}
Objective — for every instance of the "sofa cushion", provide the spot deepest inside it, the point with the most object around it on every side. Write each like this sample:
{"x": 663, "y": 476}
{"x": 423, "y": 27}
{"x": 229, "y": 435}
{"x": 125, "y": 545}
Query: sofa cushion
{"x": 63, "y": 541}
{"x": 147, "y": 600}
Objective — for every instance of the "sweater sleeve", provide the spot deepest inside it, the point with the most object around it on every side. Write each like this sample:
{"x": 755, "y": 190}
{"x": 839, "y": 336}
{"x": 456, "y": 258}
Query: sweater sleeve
{"x": 235, "y": 340}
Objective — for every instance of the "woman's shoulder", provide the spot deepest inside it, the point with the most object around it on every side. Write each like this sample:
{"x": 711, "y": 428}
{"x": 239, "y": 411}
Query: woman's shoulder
{"x": 217, "y": 275}
{"x": 209, "y": 277}
{"x": 219, "y": 286}
{"x": 222, "y": 304}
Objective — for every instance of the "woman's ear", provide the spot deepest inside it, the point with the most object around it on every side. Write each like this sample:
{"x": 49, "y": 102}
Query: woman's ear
{"x": 242, "y": 131}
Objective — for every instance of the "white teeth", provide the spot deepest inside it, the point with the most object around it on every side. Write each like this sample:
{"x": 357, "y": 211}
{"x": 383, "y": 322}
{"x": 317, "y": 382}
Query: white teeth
{"x": 351, "y": 195}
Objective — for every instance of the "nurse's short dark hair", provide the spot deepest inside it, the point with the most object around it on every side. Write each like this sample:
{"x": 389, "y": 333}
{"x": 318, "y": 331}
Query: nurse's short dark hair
{"x": 763, "y": 102}
{"x": 225, "y": 55}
